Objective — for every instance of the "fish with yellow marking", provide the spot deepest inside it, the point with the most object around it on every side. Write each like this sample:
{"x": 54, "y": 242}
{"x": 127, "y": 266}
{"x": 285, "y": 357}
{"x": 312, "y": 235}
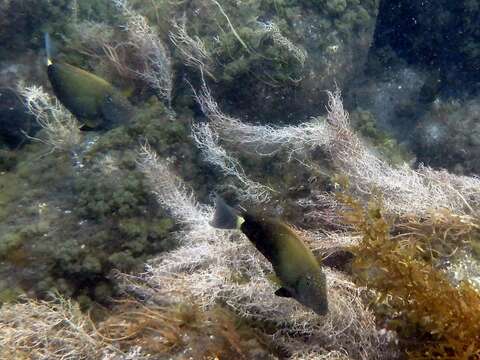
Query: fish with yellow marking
{"x": 93, "y": 100}
{"x": 294, "y": 263}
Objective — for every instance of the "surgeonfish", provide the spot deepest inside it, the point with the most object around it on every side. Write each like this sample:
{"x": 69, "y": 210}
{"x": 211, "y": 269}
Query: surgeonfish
{"x": 294, "y": 263}
{"x": 90, "y": 98}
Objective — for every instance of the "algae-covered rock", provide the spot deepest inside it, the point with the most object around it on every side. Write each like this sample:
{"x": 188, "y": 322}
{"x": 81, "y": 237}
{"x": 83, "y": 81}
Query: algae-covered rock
{"x": 66, "y": 221}
{"x": 23, "y": 22}
{"x": 381, "y": 141}
{"x": 448, "y": 135}
{"x": 436, "y": 35}
{"x": 272, "y": 60}
{"x": 15, "y": 122}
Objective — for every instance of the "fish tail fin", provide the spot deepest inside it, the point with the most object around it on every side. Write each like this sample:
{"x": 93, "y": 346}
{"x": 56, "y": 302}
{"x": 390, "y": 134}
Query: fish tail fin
{"x": 225, "y": 217}
{"x": 48, "y": 48}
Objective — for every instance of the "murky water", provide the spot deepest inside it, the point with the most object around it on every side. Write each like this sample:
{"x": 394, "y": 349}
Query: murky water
{"x": 75, "y": 204}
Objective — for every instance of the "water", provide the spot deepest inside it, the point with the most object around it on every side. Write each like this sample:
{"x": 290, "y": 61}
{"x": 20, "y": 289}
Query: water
{"x": 224, "y": 94}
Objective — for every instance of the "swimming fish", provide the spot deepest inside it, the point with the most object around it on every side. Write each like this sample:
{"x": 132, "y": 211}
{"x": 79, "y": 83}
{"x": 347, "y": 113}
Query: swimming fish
{"x": 90, "y": 98}
{"x": 294, "y": 263}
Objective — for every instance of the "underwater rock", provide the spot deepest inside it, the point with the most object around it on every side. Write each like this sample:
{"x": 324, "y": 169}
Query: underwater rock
{"x": 15, "y": 122}
{"x": 449, "y": 136}
{"x": 393, "y": 98}
{"x": 436, "y": 35}
{"x": 22, "y": 22}
{"x": 273, "y": 60}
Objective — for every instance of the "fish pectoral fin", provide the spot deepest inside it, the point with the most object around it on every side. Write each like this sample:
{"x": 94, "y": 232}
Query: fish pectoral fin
{"x": 283, "y": 292}
{"x": 90, "y": 124}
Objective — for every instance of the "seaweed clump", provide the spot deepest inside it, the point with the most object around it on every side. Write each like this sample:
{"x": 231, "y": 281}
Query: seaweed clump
{"x": 181, "y": 329}
{"x": 131, "y": 330}
{"x": 74, "y": 219}
{"x": 27, "y": 329}
{"x": 415, "y": 297}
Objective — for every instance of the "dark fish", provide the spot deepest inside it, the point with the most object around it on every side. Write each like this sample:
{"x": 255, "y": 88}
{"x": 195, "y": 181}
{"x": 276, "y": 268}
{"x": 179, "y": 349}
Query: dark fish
{"x": 294, "y": 263}
{"x": 90, "y": 98}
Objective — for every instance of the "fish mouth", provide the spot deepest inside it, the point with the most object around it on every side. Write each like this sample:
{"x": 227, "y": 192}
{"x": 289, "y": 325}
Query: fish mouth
{"x": 318, "y": 308}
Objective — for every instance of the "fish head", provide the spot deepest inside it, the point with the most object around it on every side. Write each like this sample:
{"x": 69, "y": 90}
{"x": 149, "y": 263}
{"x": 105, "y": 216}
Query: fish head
{"x": 311, "y": 291}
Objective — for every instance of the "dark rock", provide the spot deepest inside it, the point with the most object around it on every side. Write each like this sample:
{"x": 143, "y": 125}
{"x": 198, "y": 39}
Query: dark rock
{"x": 14, "y": 120}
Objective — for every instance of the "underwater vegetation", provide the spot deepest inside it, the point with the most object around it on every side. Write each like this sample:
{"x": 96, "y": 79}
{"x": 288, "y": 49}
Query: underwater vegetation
{"x": 428, "y": 233}
{"x": 433, "y": 317}
{"x": 84, "y": 208}
{"x": 218, "y": 95}
{"x": 185, "y": 330}
{"x": 255, "y": 54}
{"x": 209, "y": 268}
{"x": 152, "y": 55}
{"x": 130, "y": 330}
{"x": 61, "y": 130}
{"x": 216, "y": 267}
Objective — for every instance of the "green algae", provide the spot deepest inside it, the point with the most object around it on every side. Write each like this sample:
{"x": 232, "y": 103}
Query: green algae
{"x": 9, "y": 295}
{"x": 335, "y": 7}
{"x": 365, "y": 123}
{"x": 23, "y": 22}
{"x": 252, "y": 68}
{"x": 9, "y": 243}
{"x": 76, "y": 220}
{"x": 8, "y": 159}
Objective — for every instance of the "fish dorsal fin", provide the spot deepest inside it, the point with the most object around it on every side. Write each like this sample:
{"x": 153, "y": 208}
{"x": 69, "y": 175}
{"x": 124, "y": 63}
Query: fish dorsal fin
{"x": 49, "y": 49}
{"x": 225, "y": 217}
{"x": 283, "y": 292}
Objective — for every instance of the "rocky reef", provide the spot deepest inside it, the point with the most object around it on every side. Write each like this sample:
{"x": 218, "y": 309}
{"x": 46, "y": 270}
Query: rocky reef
{"x": 105, "y": 233}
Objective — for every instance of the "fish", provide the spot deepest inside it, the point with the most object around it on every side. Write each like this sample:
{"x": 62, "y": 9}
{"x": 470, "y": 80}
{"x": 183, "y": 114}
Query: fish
{"x": 93, "y": 100}
{"x": 295, "y": 266}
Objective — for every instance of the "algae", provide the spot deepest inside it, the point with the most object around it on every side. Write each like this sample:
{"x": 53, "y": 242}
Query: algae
{"x": 433, "y": 317}
{"x": 75, "y": 220}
